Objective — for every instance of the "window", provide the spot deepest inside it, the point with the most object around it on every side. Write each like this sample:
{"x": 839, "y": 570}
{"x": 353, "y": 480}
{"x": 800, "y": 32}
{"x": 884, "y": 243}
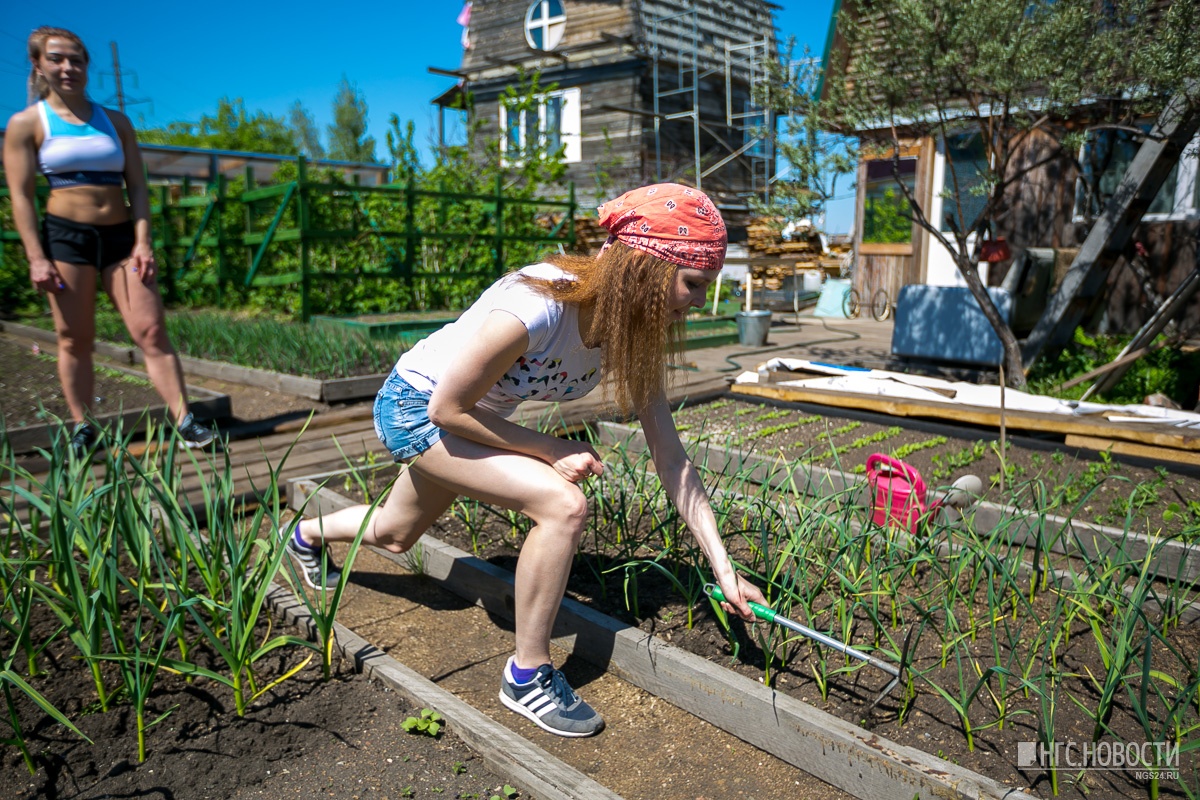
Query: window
{"x": 1105, "y": 157}
{"x": 545, "y": 24}
{"x": 552, "y": 124}
{"x": 965, "y": 173}
{"x": 885, "y": 210}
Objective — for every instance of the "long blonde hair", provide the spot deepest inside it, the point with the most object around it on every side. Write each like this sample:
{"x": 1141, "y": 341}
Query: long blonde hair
{"x": 629, "y": 291}
{"x": 38, "y": 88}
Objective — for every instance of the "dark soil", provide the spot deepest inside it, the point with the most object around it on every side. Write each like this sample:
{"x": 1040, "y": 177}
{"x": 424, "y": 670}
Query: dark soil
{"x": 308, "y": 737}
{"x": 1076, "y": 483}
{"x": 653, "y": 604}
{"x": 30, "y": 393}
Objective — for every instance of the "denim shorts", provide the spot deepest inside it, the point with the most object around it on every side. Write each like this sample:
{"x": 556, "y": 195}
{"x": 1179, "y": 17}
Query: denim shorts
{"x": 402, "y": 419}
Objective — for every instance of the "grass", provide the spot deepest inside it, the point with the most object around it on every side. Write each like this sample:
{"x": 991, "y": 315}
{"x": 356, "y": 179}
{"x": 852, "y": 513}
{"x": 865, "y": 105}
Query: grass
{"x": 293, "y": 348}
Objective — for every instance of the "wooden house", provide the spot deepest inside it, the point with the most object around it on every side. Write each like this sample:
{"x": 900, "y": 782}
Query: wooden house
{"x": 642, "y": 90}
{"x": 1047, "y": 206}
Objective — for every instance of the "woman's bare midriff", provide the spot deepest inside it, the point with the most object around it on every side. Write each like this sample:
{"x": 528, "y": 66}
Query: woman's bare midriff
{"x": 89, "y": 205}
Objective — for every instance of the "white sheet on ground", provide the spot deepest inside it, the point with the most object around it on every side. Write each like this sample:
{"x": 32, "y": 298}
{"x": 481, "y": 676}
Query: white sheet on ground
{"x": 901, "y": 386}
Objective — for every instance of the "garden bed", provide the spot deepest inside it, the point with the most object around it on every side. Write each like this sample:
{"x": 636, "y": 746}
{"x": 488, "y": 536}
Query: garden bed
{"x": 126, "y": 622}
{"x": 33, "y": 405}
{"x": 331, "y": 390}
{"x": 1071, "y": 482}
{"x": 829, "y": 571}
{"x": 342, "y": 736}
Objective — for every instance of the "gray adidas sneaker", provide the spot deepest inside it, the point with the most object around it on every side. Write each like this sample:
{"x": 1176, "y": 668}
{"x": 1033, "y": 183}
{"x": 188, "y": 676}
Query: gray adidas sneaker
{"x": 193, "y": 434}
{"x": 309, "y": 559}
{"x": 550, "y": 703}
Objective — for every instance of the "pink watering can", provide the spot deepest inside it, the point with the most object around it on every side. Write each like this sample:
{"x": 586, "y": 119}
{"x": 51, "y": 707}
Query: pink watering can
{"x": 899, "y": 496}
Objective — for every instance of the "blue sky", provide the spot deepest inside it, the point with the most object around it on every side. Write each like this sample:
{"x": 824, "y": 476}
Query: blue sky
{"x": 182, "y": 57}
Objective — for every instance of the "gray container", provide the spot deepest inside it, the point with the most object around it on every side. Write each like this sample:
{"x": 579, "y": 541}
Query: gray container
{"x": 752, "y": 327}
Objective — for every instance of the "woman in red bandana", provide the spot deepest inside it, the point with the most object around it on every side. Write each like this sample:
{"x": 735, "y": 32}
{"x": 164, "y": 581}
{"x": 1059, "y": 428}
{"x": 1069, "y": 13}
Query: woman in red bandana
{"x": 546, "y": 332}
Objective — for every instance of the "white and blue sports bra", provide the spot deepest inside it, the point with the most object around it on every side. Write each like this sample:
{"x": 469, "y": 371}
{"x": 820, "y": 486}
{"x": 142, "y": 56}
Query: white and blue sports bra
{"x": 80, "y": 155}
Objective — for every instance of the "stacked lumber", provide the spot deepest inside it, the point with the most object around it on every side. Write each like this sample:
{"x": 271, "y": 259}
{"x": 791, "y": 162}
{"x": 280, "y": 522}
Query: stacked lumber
{"x": 764, "y": 237}
{"x": 589, "y": 236}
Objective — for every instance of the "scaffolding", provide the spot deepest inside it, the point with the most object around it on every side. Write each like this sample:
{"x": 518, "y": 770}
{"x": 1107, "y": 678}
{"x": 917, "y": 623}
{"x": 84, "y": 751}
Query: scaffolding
{"x": 682, "y": 45}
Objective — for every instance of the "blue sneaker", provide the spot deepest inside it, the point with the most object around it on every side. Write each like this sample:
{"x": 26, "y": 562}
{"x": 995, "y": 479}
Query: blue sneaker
{"x": 550, "y": 703}
{"x": 315, "y": 563}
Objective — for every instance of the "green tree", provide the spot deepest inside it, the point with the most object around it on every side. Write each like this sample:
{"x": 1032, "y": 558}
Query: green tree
{"x": 402, "y": 150}
{"x": 348, "y": 139}
{"x": 232, "y": 127}
{"x": 816, "y": 158}
{"x": 1017, "y": 84}
{"x": 304, "y": 130}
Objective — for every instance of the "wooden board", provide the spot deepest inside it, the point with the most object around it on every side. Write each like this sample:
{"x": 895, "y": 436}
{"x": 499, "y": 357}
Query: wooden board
{"x": 1133, "y": 449}
{"x": 1015, "y": 420}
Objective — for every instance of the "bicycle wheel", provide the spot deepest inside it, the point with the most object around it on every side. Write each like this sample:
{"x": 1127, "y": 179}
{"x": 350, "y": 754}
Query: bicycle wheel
{"x": 851, "y": 304}
{"x": 881, "y": 307}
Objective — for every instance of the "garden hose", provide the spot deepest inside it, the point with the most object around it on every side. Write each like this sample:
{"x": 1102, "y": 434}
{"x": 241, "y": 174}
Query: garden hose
{"x": 848, "y": 336}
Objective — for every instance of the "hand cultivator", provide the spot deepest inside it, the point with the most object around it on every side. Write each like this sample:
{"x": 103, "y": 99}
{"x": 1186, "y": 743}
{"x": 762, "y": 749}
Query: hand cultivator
{"x": 769, "y": 615}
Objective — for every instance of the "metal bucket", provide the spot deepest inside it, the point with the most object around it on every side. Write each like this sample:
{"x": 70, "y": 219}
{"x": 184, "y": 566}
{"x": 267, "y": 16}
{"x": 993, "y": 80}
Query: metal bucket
{"x": 752, "y": 327}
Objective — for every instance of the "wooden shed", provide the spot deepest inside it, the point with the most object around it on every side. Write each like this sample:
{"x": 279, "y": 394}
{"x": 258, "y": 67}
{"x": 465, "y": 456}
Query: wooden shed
{"x": 642, "y": 90}
{"x": 1047, "y": 209}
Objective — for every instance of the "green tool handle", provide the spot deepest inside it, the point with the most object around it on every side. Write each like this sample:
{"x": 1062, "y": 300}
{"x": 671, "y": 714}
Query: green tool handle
{"x": 760, "y": 611}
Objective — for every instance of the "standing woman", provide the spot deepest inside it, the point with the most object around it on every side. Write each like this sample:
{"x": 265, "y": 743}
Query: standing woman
{"x": 546, "y": 332}
{"x": 90, "y": 157}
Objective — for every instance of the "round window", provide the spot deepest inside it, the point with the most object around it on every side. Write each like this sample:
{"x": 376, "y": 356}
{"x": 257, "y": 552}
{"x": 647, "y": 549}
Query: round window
{"x": 545, "y": 24}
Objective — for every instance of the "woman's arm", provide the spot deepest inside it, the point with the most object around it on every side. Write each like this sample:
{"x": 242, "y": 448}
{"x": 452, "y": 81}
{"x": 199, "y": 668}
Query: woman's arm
{"x": 20, "y": 169}
{"x": 501, "y": 340}
{"x": 686, "y": 491}
{"x": 139, "y": 198}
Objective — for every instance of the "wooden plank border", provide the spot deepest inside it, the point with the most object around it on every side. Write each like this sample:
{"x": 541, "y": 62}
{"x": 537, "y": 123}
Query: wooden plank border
{"x": 202, "y": 402}
{"x": 844, "y": 755}
{"x": 335, "y": 390}
{"x": 1145, "y": 434}
{"x": 1176, "y": 560}
{"x": 509, "y": 755}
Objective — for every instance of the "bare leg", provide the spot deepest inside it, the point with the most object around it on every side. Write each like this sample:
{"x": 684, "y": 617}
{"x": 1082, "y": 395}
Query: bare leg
{"x": 414, "y": 503}
{"x": 74, "y": 310}
{"x": 142, "y": 310}
{"x": 457, "y": 466}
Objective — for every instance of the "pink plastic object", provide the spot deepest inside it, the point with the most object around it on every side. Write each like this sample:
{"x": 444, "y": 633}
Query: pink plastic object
{"x": 897, "y": 493}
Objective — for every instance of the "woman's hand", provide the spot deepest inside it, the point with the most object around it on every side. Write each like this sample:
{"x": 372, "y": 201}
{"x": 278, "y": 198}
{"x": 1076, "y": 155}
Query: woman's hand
{"x": 45, "y": 276}
{"x": 739, "y": 593}
{"x": 142, "y": 262}
{"x": 576, "y": 461}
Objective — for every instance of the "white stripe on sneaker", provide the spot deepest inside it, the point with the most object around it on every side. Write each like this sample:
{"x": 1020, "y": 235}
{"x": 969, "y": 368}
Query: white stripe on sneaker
{"x": 542, "y": 709}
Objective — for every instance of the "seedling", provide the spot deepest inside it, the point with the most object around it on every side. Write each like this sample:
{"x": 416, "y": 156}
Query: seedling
{"x": 429, "y": 723}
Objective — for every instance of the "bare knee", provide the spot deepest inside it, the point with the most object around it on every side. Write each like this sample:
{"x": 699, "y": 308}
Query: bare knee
{"x": 74, "y": 342}
{"x": 153, "y": 339}
{"x": 566, "y": 510}
{"x": 391, "y": 533}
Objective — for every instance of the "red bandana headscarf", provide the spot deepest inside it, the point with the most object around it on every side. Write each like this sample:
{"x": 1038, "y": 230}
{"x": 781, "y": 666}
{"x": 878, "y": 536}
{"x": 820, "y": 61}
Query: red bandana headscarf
{"x": 672, "y": 222}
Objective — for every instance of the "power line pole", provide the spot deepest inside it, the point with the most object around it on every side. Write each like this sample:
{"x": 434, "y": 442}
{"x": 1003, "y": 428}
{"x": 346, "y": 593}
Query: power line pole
{"x": 119, "y": 97}
{"x": 117, "y": 78}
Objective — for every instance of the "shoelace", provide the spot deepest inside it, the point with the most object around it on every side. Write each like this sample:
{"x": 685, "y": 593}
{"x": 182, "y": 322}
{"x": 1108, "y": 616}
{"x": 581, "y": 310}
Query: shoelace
{"x": 558, "y": 688}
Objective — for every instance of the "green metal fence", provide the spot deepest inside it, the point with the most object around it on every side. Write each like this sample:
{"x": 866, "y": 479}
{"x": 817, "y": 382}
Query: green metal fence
{"x": 231, "y": 238}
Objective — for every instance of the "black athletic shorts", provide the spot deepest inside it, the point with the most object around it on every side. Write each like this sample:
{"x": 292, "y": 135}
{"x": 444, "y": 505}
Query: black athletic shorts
{"x": 76, "y": 243}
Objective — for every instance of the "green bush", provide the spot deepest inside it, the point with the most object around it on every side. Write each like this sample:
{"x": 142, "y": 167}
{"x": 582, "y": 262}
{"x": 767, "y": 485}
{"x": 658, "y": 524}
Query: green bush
{"x": 1168, "y": 370}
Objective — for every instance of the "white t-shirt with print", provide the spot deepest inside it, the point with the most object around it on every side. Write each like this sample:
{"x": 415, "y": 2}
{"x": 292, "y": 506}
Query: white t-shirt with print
{"x": 556, "y": 367}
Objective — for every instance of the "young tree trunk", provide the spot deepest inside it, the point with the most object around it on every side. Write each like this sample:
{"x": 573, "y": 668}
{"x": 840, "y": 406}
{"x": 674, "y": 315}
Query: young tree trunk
{"x": 1014, "y": 370}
